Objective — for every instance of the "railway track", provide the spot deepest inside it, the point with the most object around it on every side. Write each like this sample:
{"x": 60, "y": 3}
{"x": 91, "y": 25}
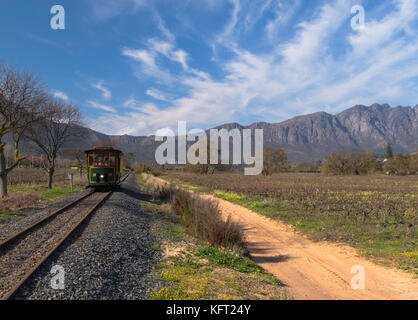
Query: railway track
{"x": 24, "y": 252}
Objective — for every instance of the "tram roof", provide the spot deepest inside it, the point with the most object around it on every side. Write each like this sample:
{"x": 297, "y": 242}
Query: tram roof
{"x": 103, "y": 149}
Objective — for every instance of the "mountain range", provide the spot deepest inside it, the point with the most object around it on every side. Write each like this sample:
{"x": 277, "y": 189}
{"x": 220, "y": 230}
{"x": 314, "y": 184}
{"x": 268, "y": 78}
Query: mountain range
{"x": 307, "y": 137}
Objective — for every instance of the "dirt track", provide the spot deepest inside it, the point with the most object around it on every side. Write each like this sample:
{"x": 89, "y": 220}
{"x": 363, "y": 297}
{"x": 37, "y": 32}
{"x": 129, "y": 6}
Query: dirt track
{"x": 314, "y": 270}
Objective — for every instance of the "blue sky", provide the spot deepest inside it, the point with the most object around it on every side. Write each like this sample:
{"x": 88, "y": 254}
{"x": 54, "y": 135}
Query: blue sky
{"x": 138, "y": 66}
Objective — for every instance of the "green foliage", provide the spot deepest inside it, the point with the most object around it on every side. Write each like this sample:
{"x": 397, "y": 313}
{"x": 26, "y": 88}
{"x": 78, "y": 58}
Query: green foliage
{"x": 213, "y": 273}
{"x": 389, "y": 152}
{"x": 58, "y": 192}
{"x": 222, "y": 258}
{"x": 229, "y": 196}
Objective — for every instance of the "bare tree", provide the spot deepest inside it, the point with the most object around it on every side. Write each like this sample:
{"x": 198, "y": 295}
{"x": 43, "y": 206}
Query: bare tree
{"x": 57, "y": 126}
{"x": 21, "y": 97}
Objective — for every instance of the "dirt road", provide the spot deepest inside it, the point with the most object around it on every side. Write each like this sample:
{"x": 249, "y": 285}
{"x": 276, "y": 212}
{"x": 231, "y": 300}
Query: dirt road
{"x": 315, "y": 270}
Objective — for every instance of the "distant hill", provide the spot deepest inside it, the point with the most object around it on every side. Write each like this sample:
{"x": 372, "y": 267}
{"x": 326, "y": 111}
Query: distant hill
{"x": 309, "y": 137}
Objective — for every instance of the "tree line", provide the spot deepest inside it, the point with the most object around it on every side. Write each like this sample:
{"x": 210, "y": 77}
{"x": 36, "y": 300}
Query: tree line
{"x": 354, "y": 162}
{"x": 28, "y": 112}
{"x": 351, "y": 162}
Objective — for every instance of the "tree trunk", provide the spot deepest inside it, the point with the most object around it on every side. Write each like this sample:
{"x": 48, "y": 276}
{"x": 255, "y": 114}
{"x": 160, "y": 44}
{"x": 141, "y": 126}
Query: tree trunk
{"x": 3, "y": 174}
{"x": 3, "y": 185}
{"x": 50, "y": 175}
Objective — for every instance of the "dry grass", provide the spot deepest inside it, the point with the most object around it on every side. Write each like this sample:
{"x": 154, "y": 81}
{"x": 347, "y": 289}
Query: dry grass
{"x": 19, "y": 200}
{"x": 26, "y": 198}
{"x": 202, "y": 218}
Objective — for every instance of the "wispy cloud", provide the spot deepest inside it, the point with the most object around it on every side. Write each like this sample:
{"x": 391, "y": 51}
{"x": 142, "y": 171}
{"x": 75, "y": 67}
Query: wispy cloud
{"x": 167, "y": 49}
{"x": 106, "y": 94}
{"x": 148, "y": 64}
{"x": 283, "y": 12}
{"x": 131, "y": 102}
{"x": 157, "y": 94}
{"x": 101, "y": 106}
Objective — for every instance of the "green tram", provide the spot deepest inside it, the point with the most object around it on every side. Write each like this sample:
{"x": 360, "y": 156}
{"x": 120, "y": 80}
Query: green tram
{"x": 104, "y": 166}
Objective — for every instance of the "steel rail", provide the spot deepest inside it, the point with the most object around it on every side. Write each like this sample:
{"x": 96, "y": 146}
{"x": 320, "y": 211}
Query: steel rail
{"x": 11, "y": 293}
{"x": 13, "y": 237}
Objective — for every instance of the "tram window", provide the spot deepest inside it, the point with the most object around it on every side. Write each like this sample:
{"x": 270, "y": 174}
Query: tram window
{"x": 98, "y": 161}
{"x": 111, "y": 161}
{"x": 91, "y": 156}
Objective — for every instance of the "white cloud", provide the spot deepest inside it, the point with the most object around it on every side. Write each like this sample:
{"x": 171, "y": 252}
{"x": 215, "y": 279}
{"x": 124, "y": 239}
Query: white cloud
{"x": 101, "y": 106}
{"x": 167, "y": 49}
{"x": 157, "y": 94}
{"x": 148, "y": 65}
{"x": 165, "y": 132}
{"x": 158, "y": 47}
{"x": 141, "y": 55}
{"x": 225, "y": 37}
{"x": 162, "y": 27}
{"x": 60, "y": 95}
{"x": 131, "y": 102}
{"x": 378, "y": 33}
{"x": 106, "y": 94}
{"x": 299, "y": 76}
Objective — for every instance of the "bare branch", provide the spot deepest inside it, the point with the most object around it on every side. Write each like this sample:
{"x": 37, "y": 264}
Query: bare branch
{"x": 53, "y": 129}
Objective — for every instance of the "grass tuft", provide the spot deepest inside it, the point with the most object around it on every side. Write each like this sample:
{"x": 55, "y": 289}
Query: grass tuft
{"x": 222, "y": 258}
{"x": 203, "y": 219}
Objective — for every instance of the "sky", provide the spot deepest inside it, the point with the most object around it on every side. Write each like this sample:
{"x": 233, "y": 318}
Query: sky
{"x": 139, "y": 66}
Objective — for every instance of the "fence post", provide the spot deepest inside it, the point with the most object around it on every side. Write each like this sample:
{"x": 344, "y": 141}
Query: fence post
{"x": 70, "y": 177}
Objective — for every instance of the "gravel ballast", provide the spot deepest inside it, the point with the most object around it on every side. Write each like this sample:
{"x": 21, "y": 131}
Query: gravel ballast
{"x": 109, "y": 257}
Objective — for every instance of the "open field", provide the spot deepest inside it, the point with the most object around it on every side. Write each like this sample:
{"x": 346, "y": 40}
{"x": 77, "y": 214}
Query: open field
{"x": 27, "y": 192}
{"x": 36, "y": 175}
{"x": 377, "y": 214}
